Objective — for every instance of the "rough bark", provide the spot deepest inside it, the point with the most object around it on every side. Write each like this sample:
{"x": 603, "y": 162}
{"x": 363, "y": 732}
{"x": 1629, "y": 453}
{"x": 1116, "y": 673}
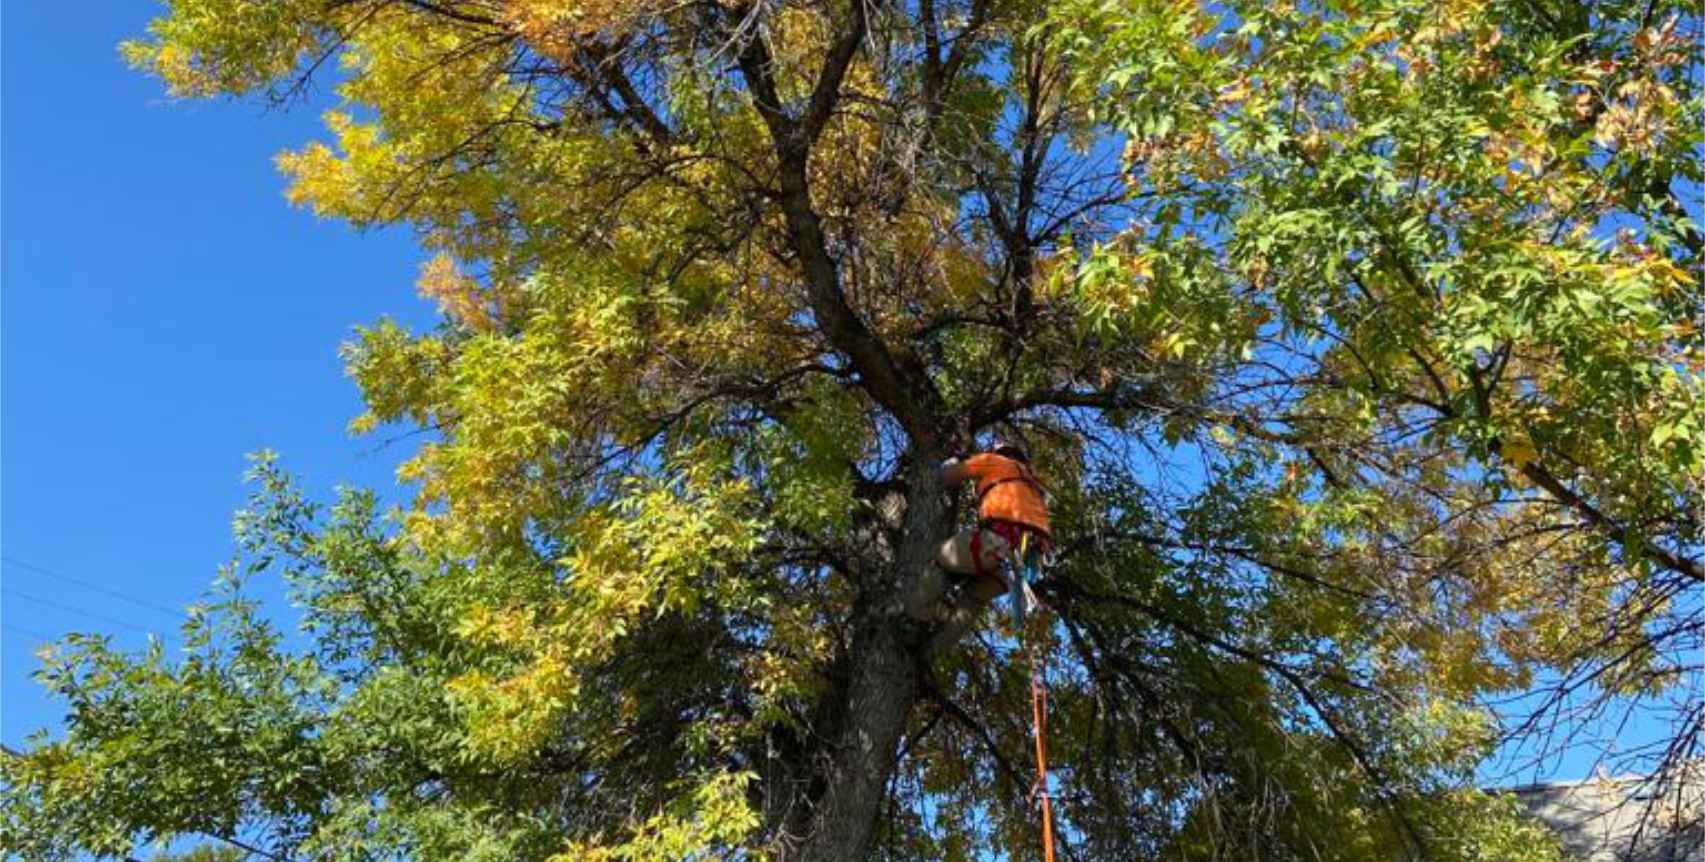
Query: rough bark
{"x": 862, "y": 727}
{"x": 852, "y": 778}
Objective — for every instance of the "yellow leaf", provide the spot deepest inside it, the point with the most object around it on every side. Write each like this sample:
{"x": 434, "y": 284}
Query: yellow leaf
{"x": 1519, "y": 451}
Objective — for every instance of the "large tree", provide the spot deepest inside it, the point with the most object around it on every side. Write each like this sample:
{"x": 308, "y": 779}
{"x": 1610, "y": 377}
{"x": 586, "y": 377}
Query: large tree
{"x": 1359, "y": 343}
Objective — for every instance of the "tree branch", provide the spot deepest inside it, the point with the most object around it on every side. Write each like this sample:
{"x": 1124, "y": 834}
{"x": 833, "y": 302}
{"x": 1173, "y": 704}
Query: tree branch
{"x": 1563, "y": 494}
{"x": 897, "y": 381}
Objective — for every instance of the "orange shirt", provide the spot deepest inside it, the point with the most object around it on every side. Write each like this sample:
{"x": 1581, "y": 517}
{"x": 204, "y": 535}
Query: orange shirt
{"x": 1007, "y": 491}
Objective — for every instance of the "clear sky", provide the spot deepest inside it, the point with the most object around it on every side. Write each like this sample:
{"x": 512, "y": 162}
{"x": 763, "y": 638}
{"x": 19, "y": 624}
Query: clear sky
{"x": 164, "y": 312}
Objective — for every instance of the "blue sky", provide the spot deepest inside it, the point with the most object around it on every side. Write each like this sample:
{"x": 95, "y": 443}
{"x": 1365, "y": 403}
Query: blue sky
{"x": 164, "y": 312}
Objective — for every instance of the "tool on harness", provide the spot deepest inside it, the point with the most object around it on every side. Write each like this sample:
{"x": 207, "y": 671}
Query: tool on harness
{"x": 1026, "y": 570}
{"x": 1023, "y": 568}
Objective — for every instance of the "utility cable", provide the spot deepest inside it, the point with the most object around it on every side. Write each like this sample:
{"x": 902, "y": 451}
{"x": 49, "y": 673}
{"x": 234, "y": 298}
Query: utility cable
{"x": 72, "y": 609}
{"x": 139, "y": 602}
{"x": 20, "y": 630}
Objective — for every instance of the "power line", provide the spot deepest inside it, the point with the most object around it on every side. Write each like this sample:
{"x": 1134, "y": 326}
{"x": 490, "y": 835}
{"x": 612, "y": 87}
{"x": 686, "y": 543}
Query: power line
{"x": 31, "y": 567}
{"x": 10, "y": 752}
{"x": 20, "y": 630}
{"x": 72, "y": 609}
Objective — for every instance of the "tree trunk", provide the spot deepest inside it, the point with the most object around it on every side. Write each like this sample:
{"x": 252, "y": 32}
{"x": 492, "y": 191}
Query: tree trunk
{"x": 862, "y": 730}
{"x": 855, "y": 732}
{"x": 853, "y": 775}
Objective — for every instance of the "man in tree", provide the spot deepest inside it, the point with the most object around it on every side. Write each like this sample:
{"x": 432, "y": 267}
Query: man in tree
{"x": 1012, "y": 522}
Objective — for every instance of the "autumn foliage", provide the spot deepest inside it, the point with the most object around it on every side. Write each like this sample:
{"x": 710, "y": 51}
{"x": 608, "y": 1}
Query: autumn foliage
{"x": 1360, "y": 343}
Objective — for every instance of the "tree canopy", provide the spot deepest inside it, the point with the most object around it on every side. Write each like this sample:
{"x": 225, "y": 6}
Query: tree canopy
{"x": 1359, "y": 344}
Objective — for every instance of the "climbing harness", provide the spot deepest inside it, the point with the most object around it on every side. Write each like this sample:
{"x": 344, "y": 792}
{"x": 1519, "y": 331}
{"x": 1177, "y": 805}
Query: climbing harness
{"x": 1027, "y": 478}
{"x": 1025, "y": 567}
{"x": 1011, "y": 532}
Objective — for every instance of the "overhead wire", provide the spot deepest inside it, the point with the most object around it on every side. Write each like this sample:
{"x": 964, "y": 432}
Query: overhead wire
{"x": 29, "y": 633}
{"x": 8, "y": 750}
{"x": 50, "y": 603}
{"x": 105, "y": 590}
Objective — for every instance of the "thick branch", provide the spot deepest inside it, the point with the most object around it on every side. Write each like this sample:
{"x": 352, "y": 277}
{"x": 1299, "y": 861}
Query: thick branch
{"x": 1562, "y": 493}
{"x": 898, "y": 382}
{"x": 1115, "y": 398}
{"x": 827, "y": 93}
{"x": 634, "y": 105}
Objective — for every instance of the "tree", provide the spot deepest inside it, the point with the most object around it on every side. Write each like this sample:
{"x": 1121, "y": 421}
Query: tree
{"x": 1353, "y": 413}
{"x": 1482, "y": 222}
{"x": 205, "y": 853}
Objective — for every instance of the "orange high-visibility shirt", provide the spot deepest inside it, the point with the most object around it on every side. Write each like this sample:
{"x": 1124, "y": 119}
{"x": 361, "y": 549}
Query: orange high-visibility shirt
{"x": 1007, "y": 491}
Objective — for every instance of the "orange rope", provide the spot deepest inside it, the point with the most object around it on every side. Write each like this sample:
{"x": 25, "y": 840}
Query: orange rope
{"x": 1039, "y": 730}
{"x": 1038, "y": 714}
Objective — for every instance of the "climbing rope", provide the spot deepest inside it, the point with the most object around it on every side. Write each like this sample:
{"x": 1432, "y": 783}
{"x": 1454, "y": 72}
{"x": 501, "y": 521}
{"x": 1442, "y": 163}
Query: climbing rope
{"x": 1039, "y": 730}
{"x": 1024, "y": 568}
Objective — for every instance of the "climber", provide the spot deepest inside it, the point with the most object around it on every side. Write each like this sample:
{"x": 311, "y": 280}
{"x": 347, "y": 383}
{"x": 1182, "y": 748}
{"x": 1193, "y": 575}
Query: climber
{"x": 1012, "y": 526}
{"x": 1011, "y": 515}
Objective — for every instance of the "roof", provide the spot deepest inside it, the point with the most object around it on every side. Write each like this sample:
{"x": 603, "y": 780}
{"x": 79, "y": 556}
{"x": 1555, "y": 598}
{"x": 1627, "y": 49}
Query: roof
{"x": 1625, "y": 819}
